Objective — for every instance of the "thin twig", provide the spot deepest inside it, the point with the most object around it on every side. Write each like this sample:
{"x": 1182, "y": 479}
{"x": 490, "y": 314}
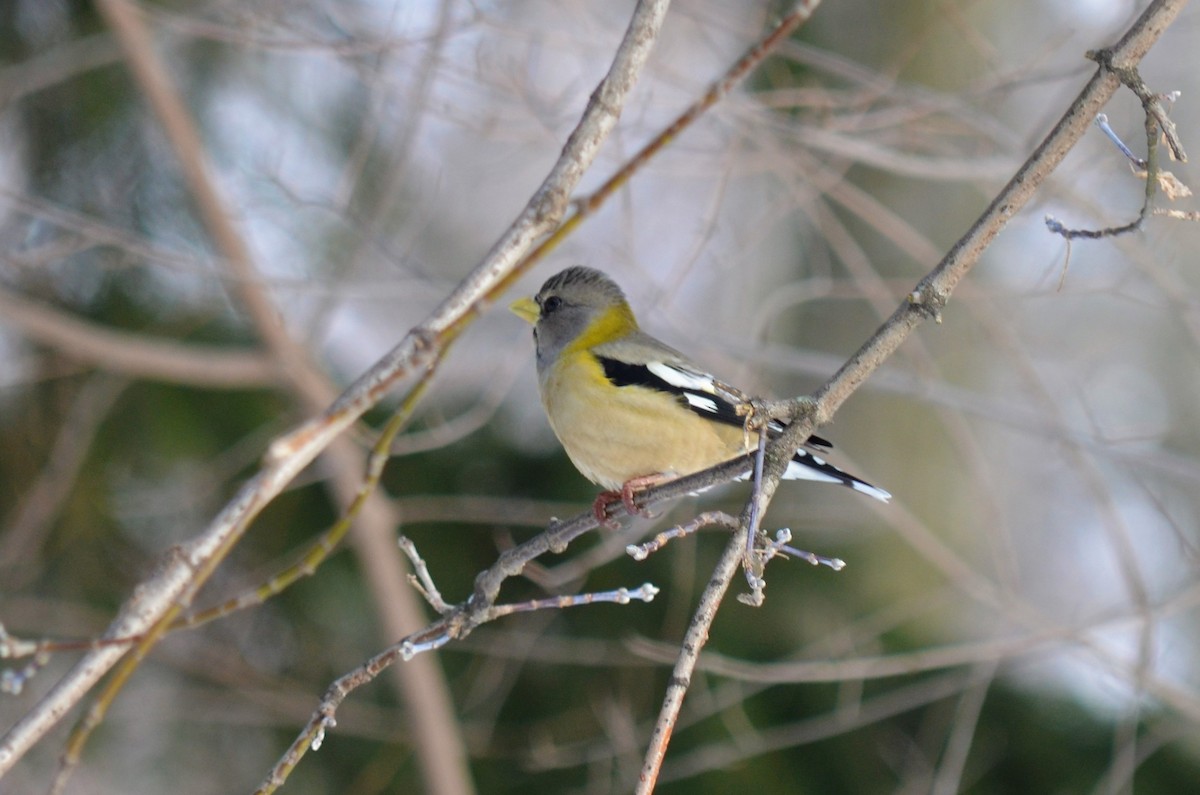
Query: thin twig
{"x": 1156, "y": 121}
{"x": 753, "y": 567}
{"x": 621, "y": 596}
{"x": 421, "y": 579}
{"x": 705, "y": 519}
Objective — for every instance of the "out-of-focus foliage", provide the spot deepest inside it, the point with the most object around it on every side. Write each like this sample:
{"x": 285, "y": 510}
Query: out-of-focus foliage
{"x": 1031, "y": 592}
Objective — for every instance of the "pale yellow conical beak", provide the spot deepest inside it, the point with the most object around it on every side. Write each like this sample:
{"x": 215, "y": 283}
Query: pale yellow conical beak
{"x": 527, "y": 309}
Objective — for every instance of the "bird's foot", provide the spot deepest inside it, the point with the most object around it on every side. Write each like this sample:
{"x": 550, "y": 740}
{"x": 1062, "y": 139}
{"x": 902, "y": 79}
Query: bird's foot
{"x": 600, "y": 509}
{"x": 626, "y": 496}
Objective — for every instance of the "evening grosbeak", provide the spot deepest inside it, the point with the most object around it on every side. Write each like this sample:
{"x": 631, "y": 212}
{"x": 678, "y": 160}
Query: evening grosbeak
{"x": 629, "y": 410}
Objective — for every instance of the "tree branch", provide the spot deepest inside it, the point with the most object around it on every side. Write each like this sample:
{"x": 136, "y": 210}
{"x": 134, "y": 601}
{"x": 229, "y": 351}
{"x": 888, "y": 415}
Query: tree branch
{"x": 159, "y": 599}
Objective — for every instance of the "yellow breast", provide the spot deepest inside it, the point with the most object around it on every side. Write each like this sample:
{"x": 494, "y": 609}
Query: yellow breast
{"x": 613, "y": 434}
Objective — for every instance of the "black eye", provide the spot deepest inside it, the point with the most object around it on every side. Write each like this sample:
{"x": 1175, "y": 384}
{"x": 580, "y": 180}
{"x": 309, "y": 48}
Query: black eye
{"x": 551, "y": 304}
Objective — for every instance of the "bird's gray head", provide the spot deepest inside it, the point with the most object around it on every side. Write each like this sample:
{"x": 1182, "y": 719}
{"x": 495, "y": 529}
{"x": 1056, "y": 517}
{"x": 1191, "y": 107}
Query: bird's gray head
{"x": 571, "y": 303}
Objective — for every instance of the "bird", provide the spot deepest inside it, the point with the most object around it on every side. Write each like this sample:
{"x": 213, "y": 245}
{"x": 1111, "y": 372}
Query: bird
{"x": 631, "y": 411}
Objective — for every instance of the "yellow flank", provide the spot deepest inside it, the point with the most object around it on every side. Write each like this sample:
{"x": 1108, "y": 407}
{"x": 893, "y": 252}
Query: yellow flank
{"x": 653, "y": 433}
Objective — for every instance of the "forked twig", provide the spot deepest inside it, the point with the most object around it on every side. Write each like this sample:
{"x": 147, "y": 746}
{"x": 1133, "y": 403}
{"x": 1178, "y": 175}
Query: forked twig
{"x": 1156, "y": 122}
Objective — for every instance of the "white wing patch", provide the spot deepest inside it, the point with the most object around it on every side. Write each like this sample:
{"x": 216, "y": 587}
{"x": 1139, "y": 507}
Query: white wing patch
{"x": 683, "y": 379}
{"x": 692, "y": 381}
{"x": 701, "y": 402}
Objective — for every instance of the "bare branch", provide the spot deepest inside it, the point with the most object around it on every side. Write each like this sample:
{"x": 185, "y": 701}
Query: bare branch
{"x": 685, "y": 665}
{"x": 157, "y": 600}
{"x": 133, "y": 354}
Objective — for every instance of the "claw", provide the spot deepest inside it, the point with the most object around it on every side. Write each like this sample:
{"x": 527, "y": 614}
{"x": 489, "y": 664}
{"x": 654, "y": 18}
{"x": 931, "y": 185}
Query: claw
{"x": 627, "y": 500}
{"x": 600, "y": 509}
{"x": 638, "y": 484}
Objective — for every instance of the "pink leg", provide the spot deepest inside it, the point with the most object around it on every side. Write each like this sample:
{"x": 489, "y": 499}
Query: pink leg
{"x": 606, "y": 498}
{"x": 637, "y": 484}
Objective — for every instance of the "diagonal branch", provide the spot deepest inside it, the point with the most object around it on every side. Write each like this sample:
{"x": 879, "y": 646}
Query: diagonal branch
{"x": 925, "y": 302}
{"x": 158, "y": 600}
{"x": 933, "y": 292}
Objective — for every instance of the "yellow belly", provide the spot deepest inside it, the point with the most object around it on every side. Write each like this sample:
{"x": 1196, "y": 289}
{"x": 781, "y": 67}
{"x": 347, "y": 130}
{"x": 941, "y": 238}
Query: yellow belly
{"x": 614, "y": 438}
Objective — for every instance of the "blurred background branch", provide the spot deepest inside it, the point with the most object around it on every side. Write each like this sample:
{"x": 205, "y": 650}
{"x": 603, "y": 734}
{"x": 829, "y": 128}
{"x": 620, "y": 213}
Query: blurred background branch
{"x": 1023, "y": 618}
